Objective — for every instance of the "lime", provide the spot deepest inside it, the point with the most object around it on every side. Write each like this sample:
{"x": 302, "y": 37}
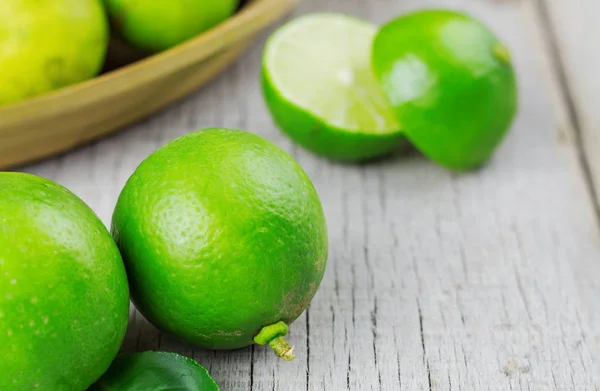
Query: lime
{"x": 224, "y": 239}
{"x": 157, "y": 25}
{"x": 49, "y": 44}
{"x": 320, "y": 89}
{"x": 64, "y": 298}
{"x": 450, "y": 82}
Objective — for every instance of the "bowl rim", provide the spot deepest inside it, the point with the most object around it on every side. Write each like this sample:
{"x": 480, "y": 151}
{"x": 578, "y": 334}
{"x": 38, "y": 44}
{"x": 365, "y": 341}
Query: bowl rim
{"x": 250, "y": 19}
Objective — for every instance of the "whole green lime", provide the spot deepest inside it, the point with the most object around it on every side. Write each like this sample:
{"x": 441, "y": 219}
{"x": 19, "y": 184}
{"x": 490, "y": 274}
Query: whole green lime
{"x": 224, "y": 239}
{"x": 64, "y": 299}
{"x": 49, "y": 44}
{"x": 157, "y": 25}
{"x": 450, "y": 82}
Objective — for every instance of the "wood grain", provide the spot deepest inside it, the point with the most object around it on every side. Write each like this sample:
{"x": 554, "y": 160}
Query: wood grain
{"x": 436, "y": 281}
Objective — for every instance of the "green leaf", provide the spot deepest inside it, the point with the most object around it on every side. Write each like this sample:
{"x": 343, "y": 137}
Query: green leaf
{"x": 155, "y": 371}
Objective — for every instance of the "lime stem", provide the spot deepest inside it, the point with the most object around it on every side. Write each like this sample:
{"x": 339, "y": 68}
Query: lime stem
{"x": 282, "y": 348}
{"x": 274, "y": 336}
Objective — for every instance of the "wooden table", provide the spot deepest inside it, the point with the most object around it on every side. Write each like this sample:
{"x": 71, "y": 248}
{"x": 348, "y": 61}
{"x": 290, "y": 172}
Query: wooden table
{"x": 436, "y": 281}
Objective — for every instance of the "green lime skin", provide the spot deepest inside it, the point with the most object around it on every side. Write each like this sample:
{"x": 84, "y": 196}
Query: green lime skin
{"x": 222, "y": 234}
{"x": 323, "y": 139}
{"x": 157, "y": 25}
{"x": 450, "y": 82}
{"x": 49, "y": 44}
{"x": 64, "y": 299}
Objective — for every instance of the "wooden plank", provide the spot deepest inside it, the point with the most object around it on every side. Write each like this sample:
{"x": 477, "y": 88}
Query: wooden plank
{"x": 436, "y": 281}
{"x": 573, "y": 26}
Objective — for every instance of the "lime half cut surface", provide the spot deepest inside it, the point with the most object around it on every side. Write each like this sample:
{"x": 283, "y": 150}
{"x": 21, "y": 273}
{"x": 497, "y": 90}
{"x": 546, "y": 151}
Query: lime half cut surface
{"x": 321, "y": 90}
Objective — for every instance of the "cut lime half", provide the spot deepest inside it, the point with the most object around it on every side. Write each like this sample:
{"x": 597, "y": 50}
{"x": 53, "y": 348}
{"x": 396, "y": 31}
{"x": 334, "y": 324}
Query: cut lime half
{"x": 450, "y": 82}
{"x": 321, "y": 90}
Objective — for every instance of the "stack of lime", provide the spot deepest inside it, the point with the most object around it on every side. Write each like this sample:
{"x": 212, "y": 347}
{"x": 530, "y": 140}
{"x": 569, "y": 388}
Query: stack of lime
{"x": 49, "y": 44}
{"x": 219, "y": 236}
{"x": 347, "y": 90}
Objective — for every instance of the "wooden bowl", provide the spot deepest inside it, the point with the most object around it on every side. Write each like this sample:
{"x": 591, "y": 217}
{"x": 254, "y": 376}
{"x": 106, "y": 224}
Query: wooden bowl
{"x": 74, "y": 115}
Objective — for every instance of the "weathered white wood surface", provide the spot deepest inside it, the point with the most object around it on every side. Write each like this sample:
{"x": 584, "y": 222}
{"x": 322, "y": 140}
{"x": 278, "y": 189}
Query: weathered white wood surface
{"x": 436, "y": 281}
{"x": 573, "y": 30}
